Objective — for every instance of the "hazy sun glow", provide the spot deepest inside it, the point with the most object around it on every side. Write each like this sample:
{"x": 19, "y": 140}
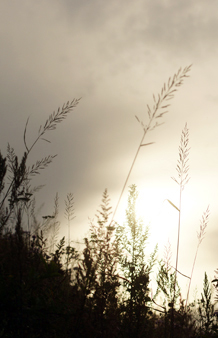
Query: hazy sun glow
{"x": 154, "y": 209}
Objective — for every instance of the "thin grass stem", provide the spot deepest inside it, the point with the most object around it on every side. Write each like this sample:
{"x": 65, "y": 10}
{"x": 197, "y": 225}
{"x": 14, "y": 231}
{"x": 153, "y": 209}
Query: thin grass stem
{"x": 200, "y": 236}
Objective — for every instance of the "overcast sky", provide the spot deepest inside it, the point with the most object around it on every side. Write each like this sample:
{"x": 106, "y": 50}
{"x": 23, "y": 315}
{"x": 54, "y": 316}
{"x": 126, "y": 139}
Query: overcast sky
{"x": 115, "y": 54}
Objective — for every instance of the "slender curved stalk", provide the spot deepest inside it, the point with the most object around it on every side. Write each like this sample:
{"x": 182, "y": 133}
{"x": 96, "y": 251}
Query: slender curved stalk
{"x": 167, "y": 93}
{"x": 178, "y": 237}
{"x": 200, "y": 235}
{"x": 115, "y": 210}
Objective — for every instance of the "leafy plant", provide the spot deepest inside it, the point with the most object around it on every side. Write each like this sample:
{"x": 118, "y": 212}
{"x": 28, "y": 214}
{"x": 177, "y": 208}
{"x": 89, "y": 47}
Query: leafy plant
{"x": 96, "y": 276}
{"x": 31, "y": 281}
{"x": 206, "y": 309}
{"x": 135, "y": 269}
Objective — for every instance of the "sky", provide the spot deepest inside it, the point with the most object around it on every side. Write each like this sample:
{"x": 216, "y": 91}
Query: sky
{"x": 115, "y": 55}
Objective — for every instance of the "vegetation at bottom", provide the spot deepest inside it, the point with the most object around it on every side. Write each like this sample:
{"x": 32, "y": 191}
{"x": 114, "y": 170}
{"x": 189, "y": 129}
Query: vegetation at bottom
{"x": 49, "y": 289}
{"x": 102, "y": 291}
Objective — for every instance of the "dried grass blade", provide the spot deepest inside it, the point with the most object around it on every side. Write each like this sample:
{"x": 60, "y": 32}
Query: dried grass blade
{"x": 24, "y": 134}
{"x": 173, "y": 205}
{"x": 147, "y": 144}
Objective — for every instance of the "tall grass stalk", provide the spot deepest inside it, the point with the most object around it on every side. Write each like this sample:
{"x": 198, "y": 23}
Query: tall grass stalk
{"x": 200, "y": 236}
{"x": 182, "y": 170}
{"x": 159, "y": 108}
{"x": 69, "y": 212}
